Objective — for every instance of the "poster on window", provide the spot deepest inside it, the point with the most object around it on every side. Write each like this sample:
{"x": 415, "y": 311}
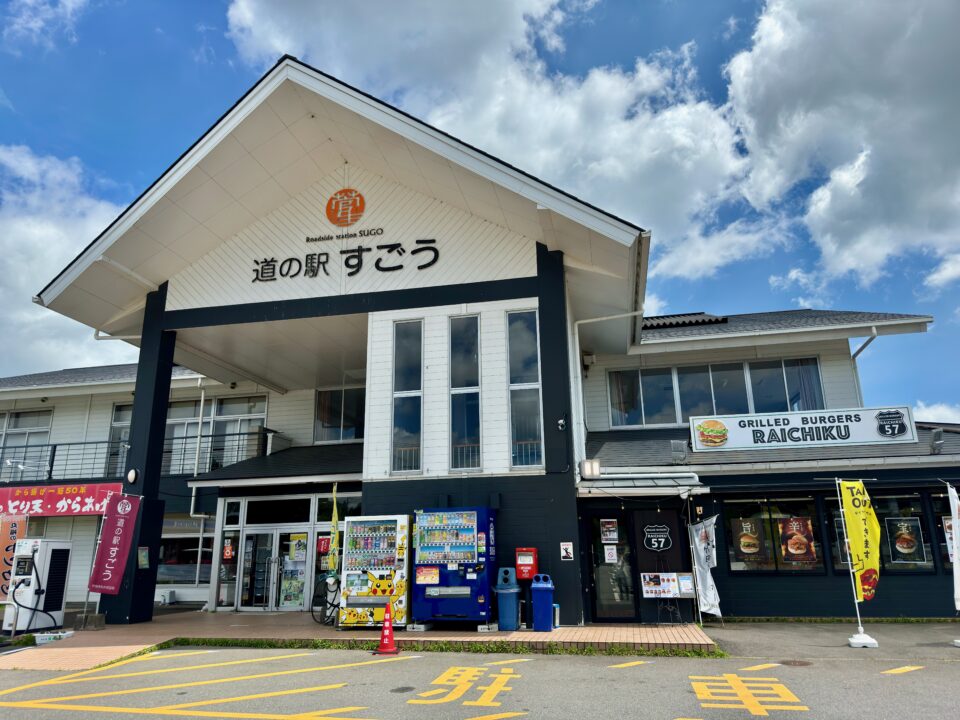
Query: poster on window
{"x": 796, "y": 540}
{"x": 608, "y": 531}
{"x": 748, "y": 544}
{"x": 905, "y": 539}
{"x": 948, "y": 533}
{"x": 610, "y": 554}
{"x": 298, "y": 547}
{"x": 844, "y": 550}
{"x": 660, "y": 585}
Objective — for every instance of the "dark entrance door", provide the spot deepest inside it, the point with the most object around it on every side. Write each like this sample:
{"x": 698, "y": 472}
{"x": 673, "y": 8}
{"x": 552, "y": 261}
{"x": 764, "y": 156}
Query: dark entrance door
{"x": 613, "y": 587}
{"x": 660, "y": 548}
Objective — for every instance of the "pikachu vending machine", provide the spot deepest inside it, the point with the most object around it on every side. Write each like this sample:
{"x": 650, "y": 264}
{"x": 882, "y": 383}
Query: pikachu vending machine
{"x": 375, "y": 562}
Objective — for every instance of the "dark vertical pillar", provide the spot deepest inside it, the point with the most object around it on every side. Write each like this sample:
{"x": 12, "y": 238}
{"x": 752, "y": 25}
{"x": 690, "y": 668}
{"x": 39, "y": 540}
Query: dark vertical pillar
{"x": 134, "y": 603}
{"x": 561, "y": 507}
{"x": 554, "y": 365}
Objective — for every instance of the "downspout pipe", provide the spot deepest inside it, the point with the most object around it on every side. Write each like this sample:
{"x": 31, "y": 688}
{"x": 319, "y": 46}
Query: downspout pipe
{"x": 196, "y": 457}
{"x": 856, "y": 353}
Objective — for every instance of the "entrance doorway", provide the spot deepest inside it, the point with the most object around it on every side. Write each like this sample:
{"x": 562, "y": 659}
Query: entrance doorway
{"x": 276, "y": 569}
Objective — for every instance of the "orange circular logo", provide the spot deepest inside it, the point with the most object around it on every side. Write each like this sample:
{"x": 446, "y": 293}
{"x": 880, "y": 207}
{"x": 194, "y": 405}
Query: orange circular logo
{"x": 345, "y": 207}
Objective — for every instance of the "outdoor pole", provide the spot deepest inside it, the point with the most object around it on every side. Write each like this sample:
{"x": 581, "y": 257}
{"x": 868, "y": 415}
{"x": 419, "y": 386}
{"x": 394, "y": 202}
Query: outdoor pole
{"x": 693, "y": 558}
{"x": 861, "y": 639}
{"x": 93, "y": 558}
{"x": 956, "y": 551}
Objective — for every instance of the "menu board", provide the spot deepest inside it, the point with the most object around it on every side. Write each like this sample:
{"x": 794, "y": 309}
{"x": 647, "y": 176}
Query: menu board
{"x": 748, "y": 542}
{"x": 905, "y": 539}
{"x": 796, "y": 540}
{"x": 660, "y": 585}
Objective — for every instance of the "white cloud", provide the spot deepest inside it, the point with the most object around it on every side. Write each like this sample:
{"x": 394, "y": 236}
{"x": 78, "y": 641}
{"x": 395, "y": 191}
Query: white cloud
{"x": 937, "y": 412}
{"x": 813, "y": 285}
{"x": 641, "y": 142}
{"x": 46, "y": 213}
{"x": 41, "y": 22}
{"x": 654, "y": 304}
{"x": 730, "y": 27}
{"x": 860, "y": 96}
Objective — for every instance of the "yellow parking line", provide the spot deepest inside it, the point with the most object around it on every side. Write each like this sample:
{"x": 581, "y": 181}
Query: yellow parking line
{"x": 633, "y": 663}
{"x": 242, "y": 678}
{"x": 508, "y": 662}
{"x": 902, "y": 670}
{"x": 160, "y": 671}
{"x": 327, "y": 714}
{"x": 257, "y": 696}
{"x": 158, "y": 655}
{"x": 498, "y": 716}
{"x": 31, "y": 705}
{"x": 764, "y": 666}
{"x": 53, "y": 681}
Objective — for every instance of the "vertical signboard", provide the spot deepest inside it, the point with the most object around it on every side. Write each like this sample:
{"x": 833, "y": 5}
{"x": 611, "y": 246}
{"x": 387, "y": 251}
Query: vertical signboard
{"x": 12, "y": 528}
{"x": 116, "y": 537}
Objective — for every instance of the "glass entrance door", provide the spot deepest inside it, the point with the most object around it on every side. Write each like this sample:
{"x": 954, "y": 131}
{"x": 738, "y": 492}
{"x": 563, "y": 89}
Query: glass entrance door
{"x": 614, "y": 592}
{"x": 291, "y": 588}
{"x": 257, "y": 570}
{"x": 274, "y": 570}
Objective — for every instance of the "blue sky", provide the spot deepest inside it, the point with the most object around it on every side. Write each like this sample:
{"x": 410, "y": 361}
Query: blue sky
{"x": 784, "y": 154}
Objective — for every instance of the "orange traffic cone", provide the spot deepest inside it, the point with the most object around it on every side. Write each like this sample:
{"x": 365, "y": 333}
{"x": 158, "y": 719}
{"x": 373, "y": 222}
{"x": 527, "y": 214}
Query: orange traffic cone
{"x": 387, "y": 645}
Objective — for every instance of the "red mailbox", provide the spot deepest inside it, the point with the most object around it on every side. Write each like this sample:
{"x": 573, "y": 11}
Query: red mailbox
{"x": 527, "y": 565}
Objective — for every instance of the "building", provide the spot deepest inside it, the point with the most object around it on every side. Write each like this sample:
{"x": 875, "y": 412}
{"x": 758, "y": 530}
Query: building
{"x": 364, "y": 300}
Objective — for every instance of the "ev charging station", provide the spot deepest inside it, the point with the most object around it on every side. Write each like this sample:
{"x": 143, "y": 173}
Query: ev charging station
{"x": 38, "y": 586}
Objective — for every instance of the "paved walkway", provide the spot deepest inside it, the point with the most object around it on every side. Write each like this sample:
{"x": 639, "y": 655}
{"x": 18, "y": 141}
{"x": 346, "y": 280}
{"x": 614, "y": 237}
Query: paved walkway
{"x": 91, "y": 648}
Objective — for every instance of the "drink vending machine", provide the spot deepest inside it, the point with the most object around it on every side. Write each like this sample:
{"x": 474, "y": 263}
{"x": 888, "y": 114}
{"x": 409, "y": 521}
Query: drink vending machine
{"x": 455, "y": 565}
{"x": 375, "y": 562}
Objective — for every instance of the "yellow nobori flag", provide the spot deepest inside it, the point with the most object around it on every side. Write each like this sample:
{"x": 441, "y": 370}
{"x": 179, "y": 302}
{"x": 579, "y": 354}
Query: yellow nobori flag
{"x": 335, "y": 535}
{"x": 863, "y": 536}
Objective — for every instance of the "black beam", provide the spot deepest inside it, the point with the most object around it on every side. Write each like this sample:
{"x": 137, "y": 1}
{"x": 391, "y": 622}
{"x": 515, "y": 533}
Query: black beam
{"x": 134, "y": 603}
{"x": 554, "y": 366}
{"x": 351, "y": 304}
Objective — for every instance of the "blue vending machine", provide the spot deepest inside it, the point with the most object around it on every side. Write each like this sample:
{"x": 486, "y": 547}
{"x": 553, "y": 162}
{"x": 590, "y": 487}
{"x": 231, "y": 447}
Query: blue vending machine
{"x": 455, "y": 565}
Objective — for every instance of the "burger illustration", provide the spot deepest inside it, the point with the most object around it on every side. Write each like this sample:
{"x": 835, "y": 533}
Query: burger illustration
{"x": 749, "y": 543}
{"x": 905, "y": 541}
{"x": 712, "y": 433}
{"x": 797, "y": 544}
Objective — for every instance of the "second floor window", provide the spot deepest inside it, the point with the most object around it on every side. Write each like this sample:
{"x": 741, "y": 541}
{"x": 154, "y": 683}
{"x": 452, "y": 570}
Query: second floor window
{"x": 26, "y": 438}
{"x": 407, "y": 395}
{"x": 465, "y": 392}
{"x": 670, "y": 396}
{"x": 339, "y": 415}
{"x": 524, "y": 371}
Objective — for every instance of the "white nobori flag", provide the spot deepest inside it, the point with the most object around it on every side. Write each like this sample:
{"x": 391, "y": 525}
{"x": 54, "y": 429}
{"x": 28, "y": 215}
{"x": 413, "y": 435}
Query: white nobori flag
{"x": 953, "y": 542}
{"x": 704, "y": 541}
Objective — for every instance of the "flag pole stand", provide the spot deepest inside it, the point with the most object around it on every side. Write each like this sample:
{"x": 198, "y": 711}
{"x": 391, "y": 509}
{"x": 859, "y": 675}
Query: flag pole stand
{"x": 860, "y": 639}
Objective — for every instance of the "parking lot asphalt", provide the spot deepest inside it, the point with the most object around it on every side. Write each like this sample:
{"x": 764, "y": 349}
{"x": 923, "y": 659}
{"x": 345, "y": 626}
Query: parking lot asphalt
{"x": 787, "y": 680}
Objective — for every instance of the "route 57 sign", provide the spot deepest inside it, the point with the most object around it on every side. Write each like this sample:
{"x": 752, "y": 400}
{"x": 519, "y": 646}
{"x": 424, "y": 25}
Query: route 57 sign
{"x": 657, "y": 538}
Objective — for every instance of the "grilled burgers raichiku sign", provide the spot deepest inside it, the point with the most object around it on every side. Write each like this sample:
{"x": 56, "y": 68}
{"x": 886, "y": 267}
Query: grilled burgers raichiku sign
{"x": 860, "y": 426}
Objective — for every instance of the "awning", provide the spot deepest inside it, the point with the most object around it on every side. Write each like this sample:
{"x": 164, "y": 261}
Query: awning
{"x": 643, "y": 485}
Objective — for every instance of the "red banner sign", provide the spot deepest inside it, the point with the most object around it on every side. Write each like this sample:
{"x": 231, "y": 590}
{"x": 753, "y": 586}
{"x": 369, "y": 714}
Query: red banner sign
{"x": 116, "y": 537}
{"x": 54, "y": 500}
{"x": 12, "y": 528}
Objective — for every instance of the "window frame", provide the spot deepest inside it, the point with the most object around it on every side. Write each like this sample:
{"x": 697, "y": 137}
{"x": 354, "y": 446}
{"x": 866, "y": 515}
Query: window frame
{"x": 341, "y": 389}
{"x": 207, "y": 530}
{"x": 395, "y": 394}
{"x": 538, "y": 386}
{"x": 466, "y": 390}
{"x": 678, "y": 411}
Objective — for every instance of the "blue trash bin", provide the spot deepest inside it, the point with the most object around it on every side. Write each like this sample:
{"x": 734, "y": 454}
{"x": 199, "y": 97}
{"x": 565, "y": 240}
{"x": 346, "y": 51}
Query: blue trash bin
{"x": 508, "y": 599}
{"x": 542, "y": 589}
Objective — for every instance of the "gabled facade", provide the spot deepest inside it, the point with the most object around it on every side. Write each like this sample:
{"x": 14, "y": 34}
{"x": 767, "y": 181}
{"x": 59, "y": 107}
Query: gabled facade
{"x": 361, "y": 299}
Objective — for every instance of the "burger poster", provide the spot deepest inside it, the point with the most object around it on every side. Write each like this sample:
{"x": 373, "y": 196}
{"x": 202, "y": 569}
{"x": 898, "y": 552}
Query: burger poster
{"x": 796, "y": 540}
{"x": 905, "y": 538}
{"x": 770, "y": 431}
{"x": 748, "y": 544}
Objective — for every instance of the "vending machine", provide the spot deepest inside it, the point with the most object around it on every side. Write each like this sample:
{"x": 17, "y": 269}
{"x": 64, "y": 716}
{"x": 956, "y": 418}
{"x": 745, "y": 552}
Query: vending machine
{"x": 455, "y": 565}
{"x": 375, "y": 562}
